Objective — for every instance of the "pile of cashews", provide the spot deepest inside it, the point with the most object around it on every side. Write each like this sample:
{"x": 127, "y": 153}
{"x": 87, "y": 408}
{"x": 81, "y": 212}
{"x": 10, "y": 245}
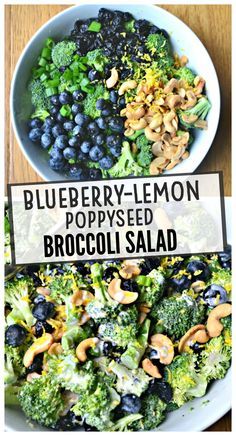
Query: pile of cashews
{"x": 154, "y": 109}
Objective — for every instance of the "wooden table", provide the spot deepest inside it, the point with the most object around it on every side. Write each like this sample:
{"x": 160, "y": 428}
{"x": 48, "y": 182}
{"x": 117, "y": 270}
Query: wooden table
{"x": 212, "y": 24}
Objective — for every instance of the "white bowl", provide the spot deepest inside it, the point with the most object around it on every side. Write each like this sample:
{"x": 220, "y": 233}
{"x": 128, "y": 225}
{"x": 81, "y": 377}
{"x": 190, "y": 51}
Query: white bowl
{"x": 196, "y": 415}
{"x": 184, "y": 41}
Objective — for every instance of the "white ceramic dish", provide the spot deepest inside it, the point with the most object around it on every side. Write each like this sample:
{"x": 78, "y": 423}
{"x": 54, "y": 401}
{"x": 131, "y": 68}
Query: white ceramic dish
{"x": 184, "y": 41}
{"x": 196, "y": 415}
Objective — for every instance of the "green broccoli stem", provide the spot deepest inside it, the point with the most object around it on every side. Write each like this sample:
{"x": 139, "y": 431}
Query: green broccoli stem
{"x": 133, "y": 355}
{"x": 136, "y": 134}
{"x": 123, "y": 423}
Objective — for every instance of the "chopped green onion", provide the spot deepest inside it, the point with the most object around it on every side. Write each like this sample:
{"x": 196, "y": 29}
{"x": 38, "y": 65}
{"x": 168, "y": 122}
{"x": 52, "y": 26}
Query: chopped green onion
{"x": 50, "y": 91}
{"x": 144, "y": 280}
{"x": 65, "y": 110}
{"x": 43, "y": 77}
{"x": 46, "y": 53}
{"x": 53, "y": 83}
{"x": 94, "y": 26}
{"x": 42, "y": 62}
{"x": 49, "y": 43}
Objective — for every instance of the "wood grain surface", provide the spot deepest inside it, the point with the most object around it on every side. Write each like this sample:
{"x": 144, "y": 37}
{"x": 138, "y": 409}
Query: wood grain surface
{"x": 211, "y": 23}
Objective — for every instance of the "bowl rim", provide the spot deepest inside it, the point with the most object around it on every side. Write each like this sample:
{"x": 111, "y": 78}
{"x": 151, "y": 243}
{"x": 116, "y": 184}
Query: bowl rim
{"x": 217, "y": 96}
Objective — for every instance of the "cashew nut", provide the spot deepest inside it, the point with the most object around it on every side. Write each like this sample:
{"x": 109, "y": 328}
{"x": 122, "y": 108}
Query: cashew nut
{"x": 81, "y": 297}
{"x": 129, "y": 84}
{"x": 157, "y": 148}
{"x": 181, "y": 140}
{"x": 168, "y": 122}
{"x": 199, "y": 285}
{"x": 156, "y": 121}
{"x": 157, "y": 165}
{"x": 173, "y": 100}
{"x": 214, "y": 326}
{"x": 118, "y": 294}
{"x": 172, "y": 164}
{"x": 43, "y": 291}
{"x": 55, "y": 349}
{"x": 197, "y": 333}
{"x": 150, "y": 368}
{"x": 191, "y": 100}
{"x": 199, "y": 83}
{"x": 171, "y": 85}
{"x": 135, "y": 113}
{"x": 128, "y": 132}
{"x": 32, "y": 376}
{"x": 189, "y": 119}
{"x": 129, "y": 270}
{"x": 164, "y": 346}
{"x": 151, "y": 135}
{"x": 139, "y": 124}
{"x": 142, "y": 317}
{"x": 183, "y": 60}
{"x": 84, "y": 346}
{"x": 39, "y": 346}
{"x": 201, "y": 124}
{"x": 84, "y": 318}
{"x": 113, "y": 79}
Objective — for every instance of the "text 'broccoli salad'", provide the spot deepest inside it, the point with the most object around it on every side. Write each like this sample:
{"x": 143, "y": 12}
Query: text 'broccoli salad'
{"x": 116, "y": 346}
{"x": 113, "y": 100}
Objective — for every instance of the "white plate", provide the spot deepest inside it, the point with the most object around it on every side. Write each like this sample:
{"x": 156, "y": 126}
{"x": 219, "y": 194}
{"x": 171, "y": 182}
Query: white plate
{"x": 196, "y": 415}
{"x": 184, "y": 41}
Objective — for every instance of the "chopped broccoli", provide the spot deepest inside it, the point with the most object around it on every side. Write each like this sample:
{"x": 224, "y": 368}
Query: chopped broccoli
{"x": 123, "y": 329}
{"x": 42, "y": 114}
{"x": 17, "y": 295}
{"x": 144, "y": 156}
{"x": 38, "y": 97}
{"x": 14, "y": 360}
{"x": 136, "y": 135}
{"x": 42, "y": 400}
{"x": 151, "y": 290}
{"x": 129, "y": 381}
{"x": 126, "y": 164}
{"x": 189, "y": 117}
{"x": 222, "y": 277}
{"x": 62, "y": 286}
{"x": 177, "y": 314}
{"x": 135, "y": 351}
{"x": 153, "y": 411}
{"x": 62, "y": 53}
{"x": 91, "y": 99}
{"x": 186, "y": 74}
{"x": 184, "y": 379}
{"x": 11, "y": 393}
{"x": 125, "y": 423}
{"x": 96, "y": 59}
{"x": 160, "y": 48}
{"x": 215, "y": 358}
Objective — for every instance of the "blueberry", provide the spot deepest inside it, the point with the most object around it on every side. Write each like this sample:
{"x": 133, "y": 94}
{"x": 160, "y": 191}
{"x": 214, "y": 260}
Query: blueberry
{"x": 82, "y": 269}
{"x": 68, "y": 422}
{"x": 107, "y": 348}
{"x": 76, "y": 171}
{"x": 142, "y": 26}
{"x": 101, "y": 104}
{"x": 61, "y": 142}
{"x": 149, "y": 264}
{"x": 113, "y": 96}
{"x": 65, "y": 97}
{"x": 162, "y": 389}
{"x": 42, "y": 326}
{"x": 180, "y": 283}
{"x": 88, "y": 427}
{"x": 69, "y": 126}
{"x": 93, "y": 128}
{"x": 113, "y": 140}
{"x": 214, "y": 295}
{"x": 56, "y": 154}
{"x": 198, "y": 270}
{"x": 35, "y": 123}
{"x": 107, "y": 111}
{"x": 130, "y": 403}
{"x": 101, "y": 122}
{"x": 37, "y": 365}
{"x": 46, "y": 140}
{"x": 108, "y": 273}
{"x": 54, "y": 112}
{"x": 116, "y": 124}
{"x": 93, "y": 75}
{"x": 95, "y": 174}
{"x": 154, "y": 355}
{"x": 225, "y": 258}
{"x": 164, "y": 33}
{"x": 82, "y": 119}
{"x": 49, "y": 122}
{"x": 96, "y": 153}
{"x": 69, "y": 153}
{"x": 116, "y": 150}
{"x": 61, "y": 119}
{"x": 86, "y": 146}
{"x": 78, "y": 130}
{"x": 74, "y": 141}
{"x": 57, "y": 130}
{"x": 43, "y": 311}
{"x": 56, "y": 165}
{"x": 121, "y": 103}
{"x": 196, "y": 347}
{"x": 82, "y": 157}
{"x": 39, "y": 299}
{"x": 54, "y": 100}
{"x": 35, "y": 134}
{"x": 37, "y": 281}
{"x": 106, "y": 162}
{"x": 130, "y": 285}
{"x": 154, "y": 29}
{"x": 15, "y": 335}
{"x": 98, "y": 139}
{"x": 105, "y": 15}
{"x": 76, "y": 108}
{"x": 78, "y": 95}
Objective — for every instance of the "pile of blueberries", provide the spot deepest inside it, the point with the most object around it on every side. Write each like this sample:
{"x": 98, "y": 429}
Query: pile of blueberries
{"x": 81, "y": 139}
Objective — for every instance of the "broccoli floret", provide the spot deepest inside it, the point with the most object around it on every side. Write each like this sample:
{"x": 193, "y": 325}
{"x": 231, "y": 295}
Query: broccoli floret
{"x": 153, "y": 411}
{"x": 96, "y": 407}
{"x": 160, "y": 48}
{"x": 126, "y": 164}
{"x": 62, "y": 286}
{"x": 124, "y": 424}
{"x": 184, "y": 379}
{"x": 135, "y": 351}
{"x": 123, "y": 329}
{"x": 42, "y": 114}
{"x": 62, "y": 53}
{"x": 129, "y": 381}
{"x": 144, "y": 156}
{"x": 96, "y": 59}
{"x": 215, "y": 358}
{"x": 197, "y": 112}
{"x": 14, "y": 360}
{"x": 42, "y": 400}
{"x": 151, "y": 287}
{"x": 91, "y": 99}
{"x": 136, "y": 135}
{"x": 38, "y": 97}
{"x": 177, "y": 314}
{"x": 65, "y": 370}
{"x": 222, "y": 277}
{"x": 17, "y": 294}
{"x": 11, "y": 393}
{"x": 185, "y": 73}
